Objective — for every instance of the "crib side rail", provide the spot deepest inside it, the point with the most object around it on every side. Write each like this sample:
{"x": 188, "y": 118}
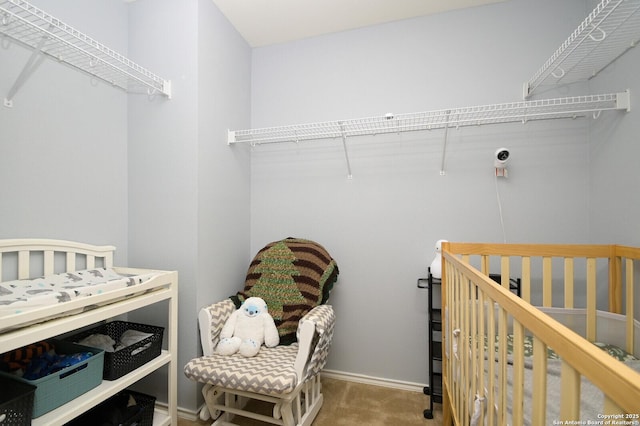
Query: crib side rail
{"x": 466, "y": 288}
{"x": 25, "y": 251}
{"x": 585, "y": 271}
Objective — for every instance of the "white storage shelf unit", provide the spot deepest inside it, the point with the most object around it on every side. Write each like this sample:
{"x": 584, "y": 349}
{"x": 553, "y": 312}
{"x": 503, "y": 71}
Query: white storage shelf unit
{"x": 162, "y": 288}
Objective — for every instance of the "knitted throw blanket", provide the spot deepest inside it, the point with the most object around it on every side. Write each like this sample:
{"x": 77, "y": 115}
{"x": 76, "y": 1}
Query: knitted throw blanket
{"x": 293, "y": 276}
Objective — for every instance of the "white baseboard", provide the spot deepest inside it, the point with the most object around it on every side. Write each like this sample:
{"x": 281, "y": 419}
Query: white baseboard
{"x": 183, "y": 413}
{"x": 190, "y": 415}
{"x": 376, "y": 381}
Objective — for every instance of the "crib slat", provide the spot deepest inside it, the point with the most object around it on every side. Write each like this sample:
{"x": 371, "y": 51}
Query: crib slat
{"x": 491, "y": 353}
{"x": 505, "y": 273}
{"x": 474, "y": 344}
{"x": 526, "y": 279}
{"x": 107, "y": 260}
{"x": 91, "y": 262}
{"x": 591, "y": 299}
{"x": 570, "y": 393}
{"x": 518, "y": 374}
{"x": 71, "y": 262}
{"x": 460, "y": 364}
{"x": 615, "y": 284}
{"x": 23, "y": 264}
{"x": 502, "y": 362}
{"x": 629, "y": 308}
{"x": 483, "y": 355}
{"x": 539, "y": 405}
{"x": 48, "y": 262}
{"x": 547, "y": 288}
{"x": 463, "y": 347}
{"x": 484, "y": 264}
{"x": 446, "y": 341}
{"x": 568, "y": 282}
{"x": 454, "y": 299}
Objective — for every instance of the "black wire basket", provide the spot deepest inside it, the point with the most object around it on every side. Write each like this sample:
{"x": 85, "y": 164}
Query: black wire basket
{"x": 16, "y": 402}
{"x": 127, "y": 359}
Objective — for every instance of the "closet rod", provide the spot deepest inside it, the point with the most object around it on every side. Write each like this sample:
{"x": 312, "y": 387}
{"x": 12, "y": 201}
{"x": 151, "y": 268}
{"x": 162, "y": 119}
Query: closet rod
{"x": 523, "y": 111}
{"x": 26, "y": 24}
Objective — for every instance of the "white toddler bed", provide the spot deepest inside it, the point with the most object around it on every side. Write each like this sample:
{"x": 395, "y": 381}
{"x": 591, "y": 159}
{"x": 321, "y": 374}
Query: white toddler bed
{"x": 53, "y": 287}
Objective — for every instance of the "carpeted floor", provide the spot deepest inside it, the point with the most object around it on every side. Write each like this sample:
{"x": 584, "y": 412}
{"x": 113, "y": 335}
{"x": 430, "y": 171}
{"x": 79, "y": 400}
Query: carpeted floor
{"x": 354, "y": 404}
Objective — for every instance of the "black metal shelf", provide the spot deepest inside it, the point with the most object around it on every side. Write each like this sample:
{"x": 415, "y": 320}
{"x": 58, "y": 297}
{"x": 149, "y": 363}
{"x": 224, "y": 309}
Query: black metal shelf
{"x": 433, "y": 285}
{"x": 434, "y": 388}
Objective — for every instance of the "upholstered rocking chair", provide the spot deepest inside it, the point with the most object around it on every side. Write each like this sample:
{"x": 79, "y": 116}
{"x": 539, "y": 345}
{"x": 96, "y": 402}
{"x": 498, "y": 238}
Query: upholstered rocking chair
{"x": 294, "y": 276}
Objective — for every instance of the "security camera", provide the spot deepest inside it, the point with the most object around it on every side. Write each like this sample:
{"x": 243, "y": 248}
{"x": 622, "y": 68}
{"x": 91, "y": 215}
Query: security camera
{"x": 501, "y": 157}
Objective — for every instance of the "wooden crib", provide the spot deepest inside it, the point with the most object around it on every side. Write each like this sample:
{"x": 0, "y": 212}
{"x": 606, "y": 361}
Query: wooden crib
{"x": 485, "y": 382}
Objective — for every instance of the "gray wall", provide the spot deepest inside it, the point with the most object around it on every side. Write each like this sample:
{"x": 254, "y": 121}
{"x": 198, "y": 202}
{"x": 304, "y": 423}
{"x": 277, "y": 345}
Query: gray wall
{"x": 63, "y": 145}
{"x": 613, "y": 153}
{"x": 188, "y": 192}
{"x": 614, "y": 191}
{"x": 163, "y": 164}
{"x": 84, "y": 161}
{"x": 382, "y": 225}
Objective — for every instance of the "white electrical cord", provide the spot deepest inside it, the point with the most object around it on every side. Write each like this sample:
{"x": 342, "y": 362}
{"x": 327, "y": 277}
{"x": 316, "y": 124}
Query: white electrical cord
{"x": 504, "y": 234}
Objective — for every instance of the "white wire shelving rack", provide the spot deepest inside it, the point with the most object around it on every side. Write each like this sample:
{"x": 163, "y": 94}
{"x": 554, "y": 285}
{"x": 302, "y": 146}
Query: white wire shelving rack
{"x": 611, "y": 29}
{"x": 512, "y": 112}
{"x": 522, "y": 111}
{"x": 46, "y": 35}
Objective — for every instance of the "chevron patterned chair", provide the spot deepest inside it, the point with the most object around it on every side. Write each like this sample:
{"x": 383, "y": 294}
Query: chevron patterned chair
{"x": 294, "y": 276}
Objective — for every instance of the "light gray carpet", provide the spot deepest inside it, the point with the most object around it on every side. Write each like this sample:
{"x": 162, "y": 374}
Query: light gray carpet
{"x": 355, "y": 404}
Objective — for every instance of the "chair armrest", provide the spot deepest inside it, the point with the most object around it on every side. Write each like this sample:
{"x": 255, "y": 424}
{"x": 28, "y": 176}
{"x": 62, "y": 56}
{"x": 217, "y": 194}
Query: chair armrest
{"x": 211, "y": 319}
{"x": 315, "y": 333}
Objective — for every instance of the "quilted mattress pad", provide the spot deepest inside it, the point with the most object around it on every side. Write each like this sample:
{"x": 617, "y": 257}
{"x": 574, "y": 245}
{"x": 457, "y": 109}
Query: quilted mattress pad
{"x": 20, "y": 296}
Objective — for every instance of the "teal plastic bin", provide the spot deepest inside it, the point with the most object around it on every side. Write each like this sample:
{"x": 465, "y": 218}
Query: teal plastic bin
{"x": 58, "y": 388}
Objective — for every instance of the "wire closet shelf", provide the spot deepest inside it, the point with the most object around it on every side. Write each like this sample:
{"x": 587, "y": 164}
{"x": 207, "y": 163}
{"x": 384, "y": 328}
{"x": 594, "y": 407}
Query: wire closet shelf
{"x": 26, "y": 24}
{"x": 513, "y": 112}
{"x": 611, "y": 29}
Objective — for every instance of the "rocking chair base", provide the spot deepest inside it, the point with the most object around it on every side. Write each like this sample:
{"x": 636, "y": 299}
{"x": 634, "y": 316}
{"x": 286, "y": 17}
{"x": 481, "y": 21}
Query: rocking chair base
{"x": 297, "y": 408}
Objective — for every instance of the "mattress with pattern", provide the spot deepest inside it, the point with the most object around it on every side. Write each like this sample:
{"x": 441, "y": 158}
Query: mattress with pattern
{"x": 20, "y": 296}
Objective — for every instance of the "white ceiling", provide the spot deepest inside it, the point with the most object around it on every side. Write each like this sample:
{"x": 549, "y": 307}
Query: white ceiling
{"x": 265, "y": 22}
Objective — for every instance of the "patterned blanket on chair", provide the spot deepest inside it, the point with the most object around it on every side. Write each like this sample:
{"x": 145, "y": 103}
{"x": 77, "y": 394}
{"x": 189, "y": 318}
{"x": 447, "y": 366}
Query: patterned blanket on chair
{"x": 293, "y": 276}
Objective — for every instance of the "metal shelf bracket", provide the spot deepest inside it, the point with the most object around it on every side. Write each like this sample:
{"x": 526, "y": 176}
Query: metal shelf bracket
{"x": 32, "y": 64}
{"x": 346, "y": 153}
{"x": 444, "y": 144}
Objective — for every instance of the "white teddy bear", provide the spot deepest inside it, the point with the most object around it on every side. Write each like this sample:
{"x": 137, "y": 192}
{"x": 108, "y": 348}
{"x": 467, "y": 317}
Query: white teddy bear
{"x": 247, "y": 328}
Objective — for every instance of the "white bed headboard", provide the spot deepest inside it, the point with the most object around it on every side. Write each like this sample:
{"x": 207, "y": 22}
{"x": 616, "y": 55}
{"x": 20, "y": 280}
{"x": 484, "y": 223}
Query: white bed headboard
{"x": 30, "y": 258}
